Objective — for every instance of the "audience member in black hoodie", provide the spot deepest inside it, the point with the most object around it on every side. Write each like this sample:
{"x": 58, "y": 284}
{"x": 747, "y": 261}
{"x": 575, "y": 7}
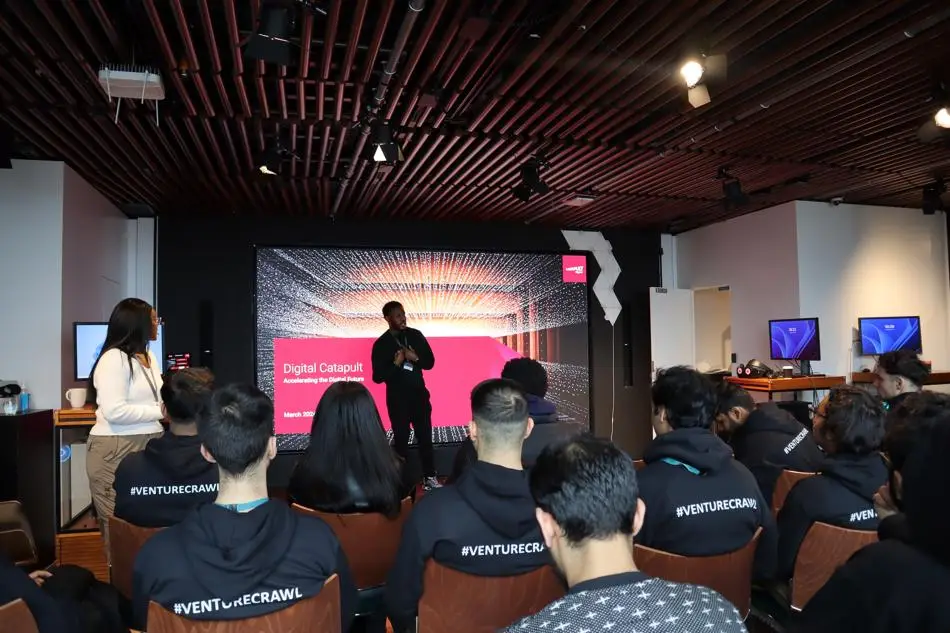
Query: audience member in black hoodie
{"x": 700, "y": 501}
{"x": 349, "y": 465}
{"x": 548, "y": 429}
{"x": 243, "y": 555}
{"x": 849, "y": 426}
{"x": 158, "y": 486}
{"x": 893, "y": 586}
{"x": 765, "y": 439}
{"x": 907, "y": 425}
{"x": 485, "y": 523}
{"x": 899, "y": 374}
{"x": 65, "y": 599}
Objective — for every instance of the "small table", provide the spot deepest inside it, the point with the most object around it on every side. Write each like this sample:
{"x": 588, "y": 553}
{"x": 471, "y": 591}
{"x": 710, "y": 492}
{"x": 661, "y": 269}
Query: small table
{"x": 783, "y": 385}
{"x": 935, "y": 378}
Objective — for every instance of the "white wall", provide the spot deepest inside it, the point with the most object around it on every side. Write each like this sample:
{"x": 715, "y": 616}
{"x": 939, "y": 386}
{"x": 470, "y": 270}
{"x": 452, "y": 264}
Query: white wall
{"x": 756, "y": 255}
{"x": 31, "y": 258}
{"x": 713, "y": 324}
{"x": 98, "y": 261}
{"x": 872, "y": 261}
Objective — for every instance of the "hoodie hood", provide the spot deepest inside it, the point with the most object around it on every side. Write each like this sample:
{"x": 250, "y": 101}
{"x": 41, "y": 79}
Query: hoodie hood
{"x": 500, "y": 496}
{"x": 178, "y": 457}
{"x": 861, "y": 474}
{"x": 541, "y": 411}
{"x": 769, "y": 418}
{"x": 232, "y": 553}
{"x": 698, "y": 448}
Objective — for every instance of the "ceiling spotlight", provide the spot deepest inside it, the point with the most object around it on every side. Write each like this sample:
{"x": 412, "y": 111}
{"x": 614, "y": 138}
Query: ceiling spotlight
{"x": 692, "y": 72}
{"x": 698, "y": 96}
{"x": 932, "y": 201}
{"x": 522, "y": 192}
{"x": 271, "y": 41}
{"x": 531, "y": 176}
{"x": 382, "y": 147}
{"x": 942, "y": 118}
{"x": 270, "y": 166}
{"x": 731, "y": 188}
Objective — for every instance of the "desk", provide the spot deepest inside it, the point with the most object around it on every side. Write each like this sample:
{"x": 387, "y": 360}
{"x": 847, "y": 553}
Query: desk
{"x": 935, "y": 378}
{"x": 782, "y": 385}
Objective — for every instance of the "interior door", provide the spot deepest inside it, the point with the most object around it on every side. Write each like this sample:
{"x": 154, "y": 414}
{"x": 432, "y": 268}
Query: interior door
{"x": 672, "y": 331}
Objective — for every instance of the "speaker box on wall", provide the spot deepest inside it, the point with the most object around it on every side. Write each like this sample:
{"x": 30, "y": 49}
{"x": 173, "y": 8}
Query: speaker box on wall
{"x": 626, "y": 335}
{"x": 798, "y": 409}
{"x": 206, "y": 335}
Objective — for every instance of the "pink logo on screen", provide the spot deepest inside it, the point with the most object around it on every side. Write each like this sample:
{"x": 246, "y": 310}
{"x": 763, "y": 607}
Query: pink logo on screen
{"x": 574, "y": 268}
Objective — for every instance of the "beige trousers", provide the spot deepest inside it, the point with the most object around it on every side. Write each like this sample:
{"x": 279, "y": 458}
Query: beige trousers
{"x": 103, "y": 454}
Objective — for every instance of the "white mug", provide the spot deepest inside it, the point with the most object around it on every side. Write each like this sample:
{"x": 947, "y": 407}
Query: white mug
{"x": 76, "y": 397}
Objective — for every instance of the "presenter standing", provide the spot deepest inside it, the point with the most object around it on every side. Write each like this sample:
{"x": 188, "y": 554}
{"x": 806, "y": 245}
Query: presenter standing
{"x": 399, "y": 357}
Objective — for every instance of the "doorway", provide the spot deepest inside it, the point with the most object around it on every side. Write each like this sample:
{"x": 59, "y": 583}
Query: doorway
{"x": 712, "y": 319}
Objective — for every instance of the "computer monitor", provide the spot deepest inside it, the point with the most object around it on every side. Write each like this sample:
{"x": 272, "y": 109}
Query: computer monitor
{"x": 87, "y": 343}
{"x": 794, "y": 339}
{"x": 880, "y": 335}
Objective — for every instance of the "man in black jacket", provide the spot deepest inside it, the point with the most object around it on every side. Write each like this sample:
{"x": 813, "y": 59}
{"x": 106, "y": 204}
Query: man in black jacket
{"x": 895, "y": 586}
{"x": 158, "y": 486}
{"x": 399, "y": 357}
{"x": 485, "y": 523}
{"x": 849, "y": 426}
{"x": 700, "y": 501}
{"x": 765, "y": 439}
{"x": 244, "y": 555}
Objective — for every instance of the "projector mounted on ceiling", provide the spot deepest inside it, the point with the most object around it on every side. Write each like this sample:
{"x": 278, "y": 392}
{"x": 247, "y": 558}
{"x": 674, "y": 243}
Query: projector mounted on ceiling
{"x": 129, "y": 81}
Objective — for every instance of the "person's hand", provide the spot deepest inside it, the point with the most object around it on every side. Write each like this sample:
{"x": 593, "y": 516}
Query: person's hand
{"x": 400, "y": 357}
{"x": 884, "y": 503}
{"x": 411, "y": 355}
{"x": 39, "y": 576}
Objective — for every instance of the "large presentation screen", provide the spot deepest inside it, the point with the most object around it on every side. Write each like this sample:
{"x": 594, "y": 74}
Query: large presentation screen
{"x": 319, "y": 311}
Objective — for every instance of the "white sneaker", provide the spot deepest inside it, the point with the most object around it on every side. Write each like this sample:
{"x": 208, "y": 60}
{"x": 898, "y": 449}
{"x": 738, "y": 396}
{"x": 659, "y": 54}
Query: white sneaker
{"x": 430, "y": 483}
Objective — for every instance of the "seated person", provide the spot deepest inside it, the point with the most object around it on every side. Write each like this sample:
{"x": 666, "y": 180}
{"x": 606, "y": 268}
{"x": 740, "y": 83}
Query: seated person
{"x": 899, "y": 374}
{"x": 765, "y": 439}
{"x": 586, "y": 492}
{"x": 65, "y": 599}
{"x": 849, "y": 426}
{"x": 484, "y": 524}
{"x": 700, "y": 501}
{"x": 158, "y": 486}
{"x": 893, "y": 586}
{"x": 533, "y": 378}
{"x": 243, "y": 555}
{"x": 906, "y": 425}
{"x": 349, "y": 465}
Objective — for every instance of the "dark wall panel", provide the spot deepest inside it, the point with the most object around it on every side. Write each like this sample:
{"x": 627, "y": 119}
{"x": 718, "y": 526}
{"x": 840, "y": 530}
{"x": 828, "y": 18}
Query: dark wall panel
{"x": 209, "y": 262}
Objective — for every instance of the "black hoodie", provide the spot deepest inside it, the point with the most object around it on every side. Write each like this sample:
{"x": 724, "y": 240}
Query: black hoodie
{"x": 772, "y": 440}
{"x": 842, "y": 494}
{"x": 158, "y": 486}
{"x": 482, "y": 525}
{"x": 704, "y": 503}
{"x": 223, "y": 565}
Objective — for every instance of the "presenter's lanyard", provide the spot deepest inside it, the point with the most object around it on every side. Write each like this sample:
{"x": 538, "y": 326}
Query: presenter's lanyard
{"x": 151, "y": 381}
{"x": 404, "y": 343}
{"x": 243, "y": 507}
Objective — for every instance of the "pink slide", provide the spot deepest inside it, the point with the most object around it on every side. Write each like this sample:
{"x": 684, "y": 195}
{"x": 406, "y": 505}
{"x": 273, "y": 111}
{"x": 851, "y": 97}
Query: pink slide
{"x": 305, "y": 368}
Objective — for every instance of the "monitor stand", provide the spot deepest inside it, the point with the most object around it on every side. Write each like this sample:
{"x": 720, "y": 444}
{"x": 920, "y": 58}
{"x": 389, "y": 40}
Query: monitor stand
{"x": 806, "y": 367}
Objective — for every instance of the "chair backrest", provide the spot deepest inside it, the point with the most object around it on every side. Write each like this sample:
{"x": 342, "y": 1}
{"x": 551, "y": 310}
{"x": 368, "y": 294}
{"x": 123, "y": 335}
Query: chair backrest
{"x": 370, "y": 541}
{"x": 784, "y": 484}
{"x": 15, "y": 617}
{"x": 16, "y": 535}
{"x": 825, "y": 549}
{"x": 125, "y": 541}
{"x": 316, "y": 614}
{"x": 729, "y": 574}
{"x": 463, "y": 603}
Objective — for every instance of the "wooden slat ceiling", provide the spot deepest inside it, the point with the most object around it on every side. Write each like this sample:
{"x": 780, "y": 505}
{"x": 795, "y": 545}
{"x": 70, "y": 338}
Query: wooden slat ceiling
{"x": 823, "y": 98}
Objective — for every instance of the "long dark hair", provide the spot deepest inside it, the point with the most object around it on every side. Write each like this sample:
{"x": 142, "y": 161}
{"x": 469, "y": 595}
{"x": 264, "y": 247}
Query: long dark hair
{"x": 130, "y": 330}
{"x": 348, "y": 442}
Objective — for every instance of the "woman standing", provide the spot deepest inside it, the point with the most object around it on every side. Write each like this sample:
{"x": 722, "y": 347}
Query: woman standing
{"x": 125, "y": 385}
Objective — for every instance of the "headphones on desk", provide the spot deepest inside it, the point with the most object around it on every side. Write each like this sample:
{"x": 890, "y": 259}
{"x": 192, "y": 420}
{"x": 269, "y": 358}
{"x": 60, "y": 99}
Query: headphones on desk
{"x": 754, "y": 369}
